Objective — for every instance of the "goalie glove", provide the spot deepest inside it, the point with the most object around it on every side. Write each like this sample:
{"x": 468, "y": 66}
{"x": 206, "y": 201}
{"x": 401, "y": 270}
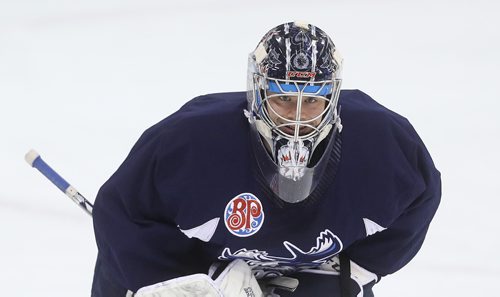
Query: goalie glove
{"x": 235, "y": 280}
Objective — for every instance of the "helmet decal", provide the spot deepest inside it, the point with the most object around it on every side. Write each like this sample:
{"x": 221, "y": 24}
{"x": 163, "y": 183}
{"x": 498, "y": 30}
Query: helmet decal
{"x": 298, "y": 47}
{"x": 301, "y": 61}
{"x": 274, "y": 59}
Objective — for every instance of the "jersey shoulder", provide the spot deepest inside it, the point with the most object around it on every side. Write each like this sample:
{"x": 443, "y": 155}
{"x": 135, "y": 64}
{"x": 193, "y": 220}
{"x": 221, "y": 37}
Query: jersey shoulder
{"x": 358, "y": 109}
{"x": 204, "y": 116}
{"x": 382, "y": 151}
{"x": 211, "y": 110}
{"x": 370, "y": 124}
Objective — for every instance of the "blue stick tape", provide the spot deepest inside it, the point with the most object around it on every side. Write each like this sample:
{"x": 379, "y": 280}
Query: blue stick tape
{"x": 49, "y": 173}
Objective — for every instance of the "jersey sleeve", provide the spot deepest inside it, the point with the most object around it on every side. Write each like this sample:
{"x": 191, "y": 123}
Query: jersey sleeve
{"x": 134, "y": 219}
{"x": 387, "y": 251}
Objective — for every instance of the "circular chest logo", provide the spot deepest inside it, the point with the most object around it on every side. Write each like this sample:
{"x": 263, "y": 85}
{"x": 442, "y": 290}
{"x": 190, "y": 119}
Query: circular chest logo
{"x": 244, "y": 215}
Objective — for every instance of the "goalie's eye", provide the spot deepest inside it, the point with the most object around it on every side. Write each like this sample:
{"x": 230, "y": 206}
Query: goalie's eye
{"x": 285, "y": 98}
{"x": 310, "y": 100}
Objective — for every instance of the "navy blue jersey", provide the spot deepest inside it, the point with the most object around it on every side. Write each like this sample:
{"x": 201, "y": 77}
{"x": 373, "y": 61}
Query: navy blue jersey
{"x": 187, "y": 196}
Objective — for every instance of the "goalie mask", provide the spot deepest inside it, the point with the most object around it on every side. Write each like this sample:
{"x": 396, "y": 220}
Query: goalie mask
{"x": 293, "y": 89}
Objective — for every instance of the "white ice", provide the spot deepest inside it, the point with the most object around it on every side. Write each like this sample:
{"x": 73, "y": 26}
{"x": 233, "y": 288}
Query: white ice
{"x": 80, "y": 80}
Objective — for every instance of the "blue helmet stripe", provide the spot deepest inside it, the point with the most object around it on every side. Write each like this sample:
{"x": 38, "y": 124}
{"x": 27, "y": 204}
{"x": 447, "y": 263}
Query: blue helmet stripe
{"x": 292, "y": 87}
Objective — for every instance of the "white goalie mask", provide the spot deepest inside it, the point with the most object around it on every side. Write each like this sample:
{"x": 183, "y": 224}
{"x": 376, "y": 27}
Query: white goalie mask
{"x": 293, "y": 89}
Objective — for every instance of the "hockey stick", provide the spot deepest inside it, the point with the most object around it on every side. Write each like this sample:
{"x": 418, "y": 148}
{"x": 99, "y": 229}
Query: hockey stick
{"x": 34, "y": 159}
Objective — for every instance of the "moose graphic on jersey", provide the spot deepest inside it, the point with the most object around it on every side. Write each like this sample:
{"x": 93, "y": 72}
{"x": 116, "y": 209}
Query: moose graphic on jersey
{"x": 265, "y": 265}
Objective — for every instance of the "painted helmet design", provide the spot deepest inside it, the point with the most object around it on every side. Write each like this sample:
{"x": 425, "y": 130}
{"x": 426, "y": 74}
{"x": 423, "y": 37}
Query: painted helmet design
{"x": 294, "y": 78}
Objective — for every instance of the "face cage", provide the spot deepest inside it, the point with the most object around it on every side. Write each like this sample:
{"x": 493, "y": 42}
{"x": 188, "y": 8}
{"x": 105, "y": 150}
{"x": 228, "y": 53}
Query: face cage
{"x": 297, "y": 89}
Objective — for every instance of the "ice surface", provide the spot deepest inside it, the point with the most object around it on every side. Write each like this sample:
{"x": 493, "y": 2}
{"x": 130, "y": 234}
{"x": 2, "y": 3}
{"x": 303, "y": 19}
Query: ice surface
{"x": 80, "y": 80}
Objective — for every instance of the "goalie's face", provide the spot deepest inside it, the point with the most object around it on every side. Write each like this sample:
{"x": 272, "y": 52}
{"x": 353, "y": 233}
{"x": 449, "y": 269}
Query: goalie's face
{"x": 295, "y": 115}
